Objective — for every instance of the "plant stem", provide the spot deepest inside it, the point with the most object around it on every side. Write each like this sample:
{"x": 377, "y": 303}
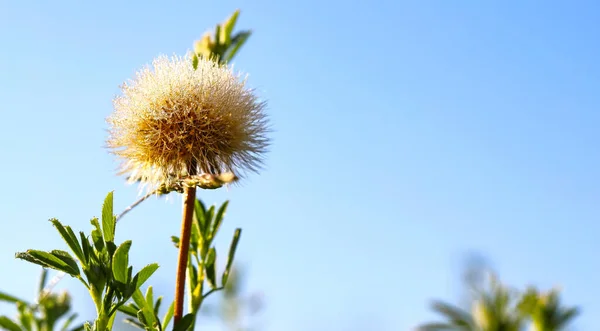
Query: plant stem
{"x": 189, "y": 199}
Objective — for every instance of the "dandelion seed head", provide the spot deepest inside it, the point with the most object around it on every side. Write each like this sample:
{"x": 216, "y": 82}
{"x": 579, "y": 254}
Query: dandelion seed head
{"x": 171, "y": 121}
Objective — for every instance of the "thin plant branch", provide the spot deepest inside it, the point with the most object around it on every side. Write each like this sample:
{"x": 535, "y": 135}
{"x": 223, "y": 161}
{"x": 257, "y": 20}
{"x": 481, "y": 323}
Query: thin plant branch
{"x": 212, "y": 291}
{"x": 133, "y": 205}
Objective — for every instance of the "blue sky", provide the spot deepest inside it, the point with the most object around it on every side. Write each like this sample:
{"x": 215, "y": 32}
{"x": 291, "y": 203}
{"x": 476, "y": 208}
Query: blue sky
{"x": 407, "y": 133}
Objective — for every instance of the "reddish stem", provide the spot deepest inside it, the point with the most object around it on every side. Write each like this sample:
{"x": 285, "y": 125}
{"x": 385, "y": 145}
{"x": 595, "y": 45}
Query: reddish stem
{"x": 189, "y": 199}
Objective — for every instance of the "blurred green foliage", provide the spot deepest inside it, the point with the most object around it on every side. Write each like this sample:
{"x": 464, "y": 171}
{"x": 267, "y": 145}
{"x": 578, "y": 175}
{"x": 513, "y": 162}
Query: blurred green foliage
{"x": 42, "y": 315}
{"x": 494, "y": 306}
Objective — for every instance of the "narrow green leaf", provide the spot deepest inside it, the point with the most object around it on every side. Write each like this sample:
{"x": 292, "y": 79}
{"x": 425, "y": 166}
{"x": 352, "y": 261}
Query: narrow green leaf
{"x": 157, "y": 305}
{"x": 80, "y": 327}
{"x": 216, "y": 224}
{"x": 149, "y": 297}
{"x": 85, "y": 245}
{"x": 146, "y": 312}
{"x": 120, "y": 262}
{"x": 27, "y": 257}
{"x": 185, "y": 322}
{"x": 149, "y": 315}
{"x": 68, "y": 259}
{"x": 236, "y": 43}
{"x": 218, "y": 35}
{"x": 69, "y": 237}
{"x": 68, "y": 322}
{"x": 194, "y": 238}
{"x": 8, "y": 324}
{"x": 142, "y": 318}
{"x": 108, "y": 218}
{"x": 231, "y": 255}
{"x": 25, "y": 317}
{"x": 145, "y": 273}
{"x": 9, "y": 298}
{"x": 168, "y": 315}
{"x": 175, "y": 241}
{"x": 211, "y": 268}
{"x": 76, "y": 247}
{"x": 139, "y": 299}
{"x": 192, "y": 274}
{"x": 97, "y": 238}
{"x": 129, "y": 273}
{"x": 228, "y": 27}
{"x": 199, "y": 212}
{"x": 128, "y": 310}
{"x": 46, "y": 260}
{"x": 209, "y": 216}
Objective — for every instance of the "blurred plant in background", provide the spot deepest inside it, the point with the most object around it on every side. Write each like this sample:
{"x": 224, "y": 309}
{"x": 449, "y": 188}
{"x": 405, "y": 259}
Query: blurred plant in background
{"x": 235, "y": 309}
{"x": 494, "y": 306}
{"x": 42, "y": 315}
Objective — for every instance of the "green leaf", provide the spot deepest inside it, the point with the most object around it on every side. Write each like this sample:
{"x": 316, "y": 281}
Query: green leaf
{"x": 168, "y": 315}
{"x": 138, "y": 298}
{"x": 231, "y": 256}
{"x": 108, "y": 218}
{"x": 195, "y": 61}
{"x": 209, "y": 216}
{"x": 194, "y": 238}
{"x": 80, "y": 327}
{"x": 128, "y": 310}
{"x": 69, "y": 237}
{"x": 46, "y": 260}
{"x": 217, "y": 35}
{"x": 66, "y": 258}
{"x": 25, "y": 317}
{"x": 120, "y": 262}
{"x": 85, "y": 245}
{"x": 97, "y": 235}
{"x": 192, "y": 274}
{"x": 185, "y": 322}
{"x": 157, "y": 305}
{"x": 175, "y": 241}
{"x": 8, "y": 324}
{"x": 236, "y": 43}
{"x": 147, "y": 311}
{"x": 218, "y": 220}
{"x": 9, "y": 298}
{"x": 145, "y": 273}
{"x": 68, "y": 322}
{"x": 210, "y": 267}
{"x": 149, "y": 297}
{"x": 228, "y": 27}
{"x": 199, "y": 212}
{"x": 142, "y": 318}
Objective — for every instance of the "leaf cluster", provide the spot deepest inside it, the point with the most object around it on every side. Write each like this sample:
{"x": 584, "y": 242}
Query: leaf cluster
{"x": 95, "y": 260}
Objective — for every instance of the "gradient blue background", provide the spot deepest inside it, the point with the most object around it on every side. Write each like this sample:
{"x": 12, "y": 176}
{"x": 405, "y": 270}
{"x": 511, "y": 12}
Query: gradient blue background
{"x": 406, "y": 134}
